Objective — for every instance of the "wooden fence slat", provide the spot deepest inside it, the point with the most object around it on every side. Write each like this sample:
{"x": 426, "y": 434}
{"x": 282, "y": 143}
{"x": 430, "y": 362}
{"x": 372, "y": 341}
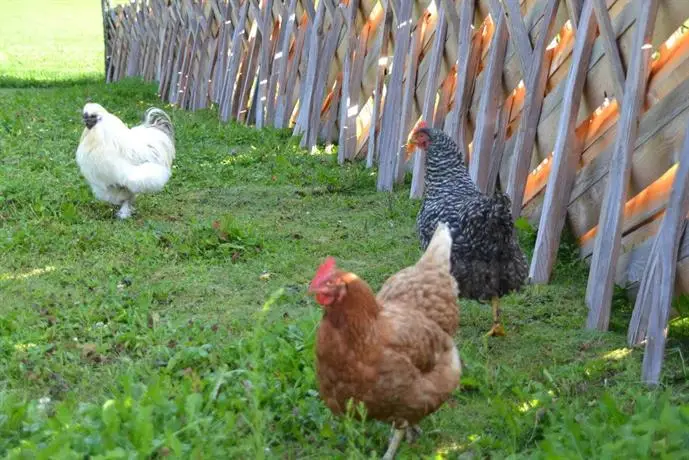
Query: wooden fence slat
{"x": 312, "y": 67}
{"x": 607, "y": 246}
{"x": 243, "y": 99}
{"x": 574, "y": 9}
{"x": 264, "y": 66}
{"x": 293, "y": 66}
{"x": 417, "y": 184}
{"x": 410, "y": 89}
{"x": 332, "y": 111}
{"x": 325, "y": 60}
{"x": 347, "y": 119}
{"x": 565, "y": 155}
{"x": 519, "y": 35}
{"x": 612, "y": 52}
{"x": 468, "y": 46}
{"x": 283, "y": 91}
{"x": 390, "y": 124}
{"x": 498, "y": 145}
{"x": 381, "y": 42}
{"x": 233, "y": 62}
{"x": 488, "y": 105}
{"x": 531, "y": 112}
{"x": 652, "y": 307}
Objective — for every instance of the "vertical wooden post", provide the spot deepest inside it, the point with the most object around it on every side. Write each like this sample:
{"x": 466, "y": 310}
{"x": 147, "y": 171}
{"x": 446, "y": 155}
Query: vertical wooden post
{"x": 535, "y": 91}
{"x": 465, "y": 76}
{"x": 381, "y": 45}
{"x": 347, "y": 123}
{"x": 233, "y": 64}
{"x": 608, "y": 238}
{"x": 327, "y": 55}
{"x": 264, "y": 69}
{"x": 429, "y": 101}
{"x": 410, "y": 90}
{"x": 565, "y": 155}
{"x": 652, "y": 308}
{"x": 312, "y": 66}
{"x": 488, "y": 105}
{"x": 105, "y": 9}
{"x": 390, "y": 124}
{"x": 282, "y": 91}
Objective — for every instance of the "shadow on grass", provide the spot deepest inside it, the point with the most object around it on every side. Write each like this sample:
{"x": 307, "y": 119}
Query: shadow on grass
{"x": 24, "y": 83}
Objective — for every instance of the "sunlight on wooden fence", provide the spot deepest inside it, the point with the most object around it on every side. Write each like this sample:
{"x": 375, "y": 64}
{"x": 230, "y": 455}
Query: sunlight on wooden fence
{"x": 578, "y": 107}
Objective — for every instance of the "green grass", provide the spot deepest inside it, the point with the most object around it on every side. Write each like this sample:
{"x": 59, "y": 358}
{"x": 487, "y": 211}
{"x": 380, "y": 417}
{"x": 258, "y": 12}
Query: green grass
{"x": 186, "y": 332}
{"x": 44, "y": 41}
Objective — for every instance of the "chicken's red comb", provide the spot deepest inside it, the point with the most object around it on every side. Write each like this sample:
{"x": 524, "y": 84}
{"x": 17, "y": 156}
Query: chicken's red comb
{"x": 420, "y": 124}
{"x": 324, "y": 272}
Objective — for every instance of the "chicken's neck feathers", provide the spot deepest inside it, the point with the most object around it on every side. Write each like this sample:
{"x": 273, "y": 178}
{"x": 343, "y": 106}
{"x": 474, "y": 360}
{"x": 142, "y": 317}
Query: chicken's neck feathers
{"x": 356, "y": 313}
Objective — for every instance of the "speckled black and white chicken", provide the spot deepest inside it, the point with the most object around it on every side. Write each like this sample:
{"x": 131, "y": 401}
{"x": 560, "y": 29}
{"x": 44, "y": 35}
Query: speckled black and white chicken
{"x": 487, "y": 261}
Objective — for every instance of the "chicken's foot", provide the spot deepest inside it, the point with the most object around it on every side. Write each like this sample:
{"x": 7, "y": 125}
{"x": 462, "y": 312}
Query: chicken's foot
{"x": 395, "y": 441}
{"x": 126, "y": 210}
{"x": 413, "y": 433}
{"x": 497, "y": 329}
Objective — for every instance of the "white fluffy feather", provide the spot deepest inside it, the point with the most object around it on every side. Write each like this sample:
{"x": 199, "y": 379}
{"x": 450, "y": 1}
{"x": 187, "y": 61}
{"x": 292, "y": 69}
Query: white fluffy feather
{"x": 119, "y": 162}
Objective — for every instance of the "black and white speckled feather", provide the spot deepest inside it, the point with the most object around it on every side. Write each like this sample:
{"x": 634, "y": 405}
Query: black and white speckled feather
{"x": 486, "y": 258}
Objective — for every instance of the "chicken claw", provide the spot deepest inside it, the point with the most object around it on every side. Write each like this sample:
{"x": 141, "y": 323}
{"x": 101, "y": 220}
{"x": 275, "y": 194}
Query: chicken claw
{"x": 497, "y": 330}
{"x": 413, "y": 433}
{"x": 125, "y": 211}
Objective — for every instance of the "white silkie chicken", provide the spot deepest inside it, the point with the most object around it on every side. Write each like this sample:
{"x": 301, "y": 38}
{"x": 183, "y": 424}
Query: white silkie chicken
{"x": 119, "y": 162}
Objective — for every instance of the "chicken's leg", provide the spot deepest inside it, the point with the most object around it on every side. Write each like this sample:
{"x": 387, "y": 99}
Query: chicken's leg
{"x": 126, "y": 209}
{"x": 497, "y": 329}
{"x": 394, "y": 443}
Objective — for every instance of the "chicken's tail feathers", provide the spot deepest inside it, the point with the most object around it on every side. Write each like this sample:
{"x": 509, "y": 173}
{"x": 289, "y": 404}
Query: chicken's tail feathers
{"x": 157, "y": 118}
{"x": 439, "y": 249}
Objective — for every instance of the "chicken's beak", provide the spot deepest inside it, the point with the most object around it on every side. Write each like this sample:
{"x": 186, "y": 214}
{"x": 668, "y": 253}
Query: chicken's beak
{"x": 90, "y": 119}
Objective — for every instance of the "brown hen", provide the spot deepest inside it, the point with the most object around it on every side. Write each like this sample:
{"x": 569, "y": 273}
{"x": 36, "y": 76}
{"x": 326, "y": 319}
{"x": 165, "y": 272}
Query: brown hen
{"x": 393, "y": 352}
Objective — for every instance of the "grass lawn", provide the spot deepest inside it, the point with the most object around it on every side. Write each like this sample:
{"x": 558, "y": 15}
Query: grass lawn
{"x": 163, "y": 337}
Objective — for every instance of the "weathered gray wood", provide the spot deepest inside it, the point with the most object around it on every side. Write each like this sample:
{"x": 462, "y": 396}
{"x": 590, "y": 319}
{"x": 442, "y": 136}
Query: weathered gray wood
{"x": 467, "y": 52}
{"x": 408, "y": 93}
{"x": 487, "y": 112}
{"x": 264, "y": 69}
{"x": 612, "y": 52}
{"x": 652, "y": 307}
{"x": 348, "y": 103}
{"x": 292, "y": 72}
{"x": 390, "y": 124}
{"x": 531, "y": 112}
{"x": 498, "y": 146}
{"x": 107, "y": 52}
{"x": 279, "y": 61}
{"x": 429, "y": 102}
{"x": 312, "y": 67}
{"x": 607, "y": 246}
{"x": 381, "y": 44}
{"x": 655, "y": 289}
{"x": 283, "y": 92}
{"x": 241, "y": 107}
{"x": 311, "y": 134}
{"x": 519, "y": 35}
{"x": 331, "y": 114}
{"x": 354, "y": 143}
{"x": 565, "y": 156}
{"x": 660, "y": 134}
{"x": 233, "y": 64}
{"x": 310, "y": 10}
{"x": 452, "y": 16}
{"x": 446, "y": 90}
{"x": 574, "y": 10}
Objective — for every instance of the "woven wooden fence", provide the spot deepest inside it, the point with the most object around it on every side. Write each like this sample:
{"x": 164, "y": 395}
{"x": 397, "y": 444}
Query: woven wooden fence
{"x": 578, "y": 107}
